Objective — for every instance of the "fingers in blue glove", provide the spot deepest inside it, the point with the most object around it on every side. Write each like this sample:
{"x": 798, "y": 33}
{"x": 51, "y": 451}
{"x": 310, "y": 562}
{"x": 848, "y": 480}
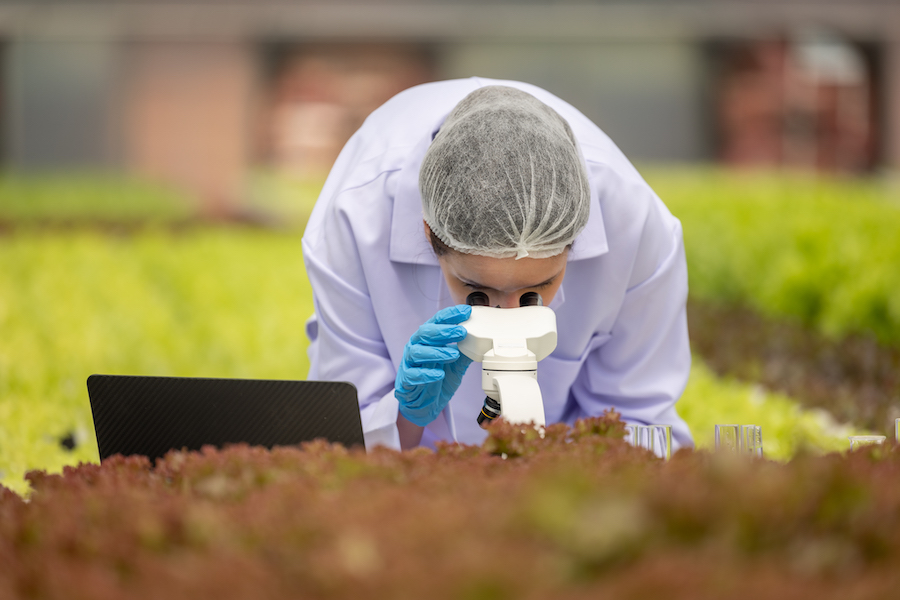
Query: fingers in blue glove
{"x": 435, "y": 334}
{"x": 415, "y": 376}
{"x": 419, "y": 354}
{"x": 452, "y": 314}
{"x": 431, "y": 370}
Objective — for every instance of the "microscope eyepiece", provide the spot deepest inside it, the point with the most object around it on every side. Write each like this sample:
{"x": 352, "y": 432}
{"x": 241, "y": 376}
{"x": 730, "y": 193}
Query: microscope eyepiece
{"x": 478, "y": 299}
{"x": 531, "y": 299}
{"x": 489, "y": 412}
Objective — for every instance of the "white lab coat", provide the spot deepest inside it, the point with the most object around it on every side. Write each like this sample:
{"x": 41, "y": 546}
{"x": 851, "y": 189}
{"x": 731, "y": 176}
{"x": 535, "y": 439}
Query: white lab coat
{"x": 622, "y": 328}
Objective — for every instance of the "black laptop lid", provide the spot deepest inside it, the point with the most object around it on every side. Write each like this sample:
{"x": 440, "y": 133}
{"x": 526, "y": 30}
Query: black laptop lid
{"x": 152, "y": 415}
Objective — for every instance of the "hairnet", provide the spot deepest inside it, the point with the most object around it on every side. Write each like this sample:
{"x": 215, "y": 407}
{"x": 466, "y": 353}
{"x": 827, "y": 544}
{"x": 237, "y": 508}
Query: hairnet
{"x": 504, "y": 177}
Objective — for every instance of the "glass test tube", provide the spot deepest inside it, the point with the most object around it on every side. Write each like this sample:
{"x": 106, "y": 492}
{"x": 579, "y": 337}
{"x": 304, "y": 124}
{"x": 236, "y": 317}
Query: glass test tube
{"x": 641, "y": 437}
{"x": 663, "y": 435}
{"x": 858, "y": 441}
{"x": 728, "y": 438}
{"x": 751, "y": 440}
{"x": 759, "y": 443}
{"x": 655, "y": 438}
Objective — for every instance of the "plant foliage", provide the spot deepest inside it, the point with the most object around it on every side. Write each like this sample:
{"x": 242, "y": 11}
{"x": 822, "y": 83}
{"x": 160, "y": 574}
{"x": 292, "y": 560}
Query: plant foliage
{"x": 821, "y": 251}
{"x": 576, "y": 513}
{"x": 81, "y": 197}
{"x": 205, "y": 303}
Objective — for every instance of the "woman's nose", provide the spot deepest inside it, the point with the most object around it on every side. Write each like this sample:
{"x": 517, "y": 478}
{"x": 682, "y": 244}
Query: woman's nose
{"x": 507, "y": 301}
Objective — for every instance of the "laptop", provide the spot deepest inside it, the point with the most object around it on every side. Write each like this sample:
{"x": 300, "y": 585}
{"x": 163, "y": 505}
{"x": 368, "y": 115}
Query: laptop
{"x": 153, "y": 415}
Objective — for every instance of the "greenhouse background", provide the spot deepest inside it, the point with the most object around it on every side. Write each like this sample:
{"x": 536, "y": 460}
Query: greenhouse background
{"x": 772, "y": 130}
{"x": 202, "y": 93}
{"x": 159, "y": 161}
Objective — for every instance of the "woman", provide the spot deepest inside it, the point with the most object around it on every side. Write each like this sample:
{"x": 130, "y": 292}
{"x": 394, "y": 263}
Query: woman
{"x": 499, "y": 187}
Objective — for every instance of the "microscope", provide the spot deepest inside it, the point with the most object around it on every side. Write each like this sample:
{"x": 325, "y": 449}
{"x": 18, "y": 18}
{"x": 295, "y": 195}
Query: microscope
{"x": 509, "y": 343}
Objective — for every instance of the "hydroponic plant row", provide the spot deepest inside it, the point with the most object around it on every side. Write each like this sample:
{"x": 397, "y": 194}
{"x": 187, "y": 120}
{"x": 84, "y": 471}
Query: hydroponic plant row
{"x": 218, "y": 302}
{"x": 576, "y": 513}
{"x": 853, "y": 378}
{"x": 822, "y": 251}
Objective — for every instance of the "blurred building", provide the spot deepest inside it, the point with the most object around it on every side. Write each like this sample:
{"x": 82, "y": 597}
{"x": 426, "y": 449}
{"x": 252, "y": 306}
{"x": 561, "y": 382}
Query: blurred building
{"x": 807, "y": 102}
{"x": 198, "y": 92}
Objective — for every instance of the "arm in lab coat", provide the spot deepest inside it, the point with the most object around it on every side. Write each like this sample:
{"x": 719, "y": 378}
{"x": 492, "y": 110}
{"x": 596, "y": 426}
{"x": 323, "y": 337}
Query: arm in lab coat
{"x": 344, "y": 347}
{"x": 346, "y": 341}
{"x": 643, "y": 368}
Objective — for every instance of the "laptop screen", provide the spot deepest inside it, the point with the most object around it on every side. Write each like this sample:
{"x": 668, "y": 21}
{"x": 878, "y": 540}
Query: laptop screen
{"x": 153, "y": 415}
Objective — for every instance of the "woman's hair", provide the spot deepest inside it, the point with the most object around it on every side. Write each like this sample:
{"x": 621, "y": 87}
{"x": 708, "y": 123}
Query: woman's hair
{"x": 439, "y": 247}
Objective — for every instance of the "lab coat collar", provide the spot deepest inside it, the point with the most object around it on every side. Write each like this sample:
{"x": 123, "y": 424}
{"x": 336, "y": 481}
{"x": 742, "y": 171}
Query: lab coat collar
{"x": 408, "y": 242}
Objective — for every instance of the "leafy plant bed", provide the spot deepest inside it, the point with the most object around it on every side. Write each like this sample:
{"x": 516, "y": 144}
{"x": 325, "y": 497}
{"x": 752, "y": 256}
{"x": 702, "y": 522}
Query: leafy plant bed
{"x": 211, "y": 302}
{"x": 124, "y": 227}
{"x": 84, "y": 196}
{"x": 856, "y": 379}
{"x": 820, "y": 250}
{"x": 577, "y": 514}
{"x": 110, "y": 202}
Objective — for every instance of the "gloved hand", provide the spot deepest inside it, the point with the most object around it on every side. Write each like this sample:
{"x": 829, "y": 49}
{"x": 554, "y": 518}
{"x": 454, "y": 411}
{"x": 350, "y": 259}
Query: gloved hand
{"x": 431, "y": 371}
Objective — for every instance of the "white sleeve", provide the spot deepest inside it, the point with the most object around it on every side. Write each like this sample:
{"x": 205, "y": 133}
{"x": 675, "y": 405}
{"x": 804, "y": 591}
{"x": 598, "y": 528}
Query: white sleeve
{"x": 346, "y": 342}
{"x": 643, "y": 368}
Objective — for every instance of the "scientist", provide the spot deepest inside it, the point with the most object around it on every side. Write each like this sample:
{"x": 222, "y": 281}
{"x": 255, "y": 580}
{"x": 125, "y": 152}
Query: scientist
{"x": 499, "y": 187}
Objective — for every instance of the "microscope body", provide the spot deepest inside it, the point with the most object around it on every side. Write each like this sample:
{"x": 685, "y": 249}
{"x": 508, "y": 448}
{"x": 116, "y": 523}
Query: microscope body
{"x": 509, "y": 343}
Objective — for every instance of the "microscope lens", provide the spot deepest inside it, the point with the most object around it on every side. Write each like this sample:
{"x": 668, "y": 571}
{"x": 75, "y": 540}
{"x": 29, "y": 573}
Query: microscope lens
{"x": 478, "y": 299}
{"x": 531, "y": 299}
{"x": 489, "y": 412}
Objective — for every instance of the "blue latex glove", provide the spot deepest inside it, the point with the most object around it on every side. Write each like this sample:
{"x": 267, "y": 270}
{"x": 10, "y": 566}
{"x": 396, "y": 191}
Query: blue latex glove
{"x": 431, "y": 370}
